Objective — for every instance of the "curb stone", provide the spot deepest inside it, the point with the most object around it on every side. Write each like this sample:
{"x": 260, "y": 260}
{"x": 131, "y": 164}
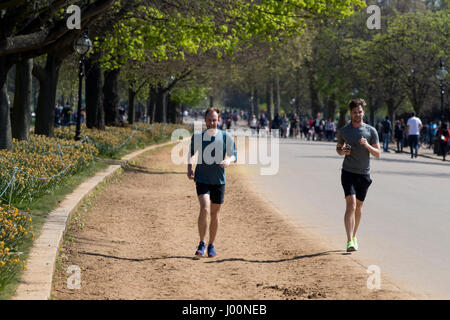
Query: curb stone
{"x": 36, "y": 281}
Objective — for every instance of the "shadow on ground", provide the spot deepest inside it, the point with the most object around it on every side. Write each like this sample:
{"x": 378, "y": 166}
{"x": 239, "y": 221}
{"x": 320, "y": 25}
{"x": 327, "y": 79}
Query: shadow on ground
{"x": 139, "y": 169}
{"x": 212, "y": 261}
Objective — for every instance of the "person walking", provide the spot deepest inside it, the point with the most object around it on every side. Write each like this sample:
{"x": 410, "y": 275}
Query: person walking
{"x": 330, "y": 129}
{"x": 263, "y": 123}
{"x": 432, "y": 132}
{"x": 399, "y": 135}
{"x": 294, "y": 126}
{"x": 356, "y": 141}
{"x": 318, "y": 126}
{"x": 413, "y": 127}
{"x": 443, "y": 137}
{"x": 284, "y": 126}
{"x": 387, "y": 129}
{"x": 209, "y": 175}
{"x": 253, "y": 124}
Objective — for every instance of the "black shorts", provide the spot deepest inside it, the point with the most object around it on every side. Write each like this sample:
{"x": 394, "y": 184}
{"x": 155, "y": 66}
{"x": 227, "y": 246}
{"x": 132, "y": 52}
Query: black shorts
{"x": 354, "y": 183}
{"x": 216, "y": 191}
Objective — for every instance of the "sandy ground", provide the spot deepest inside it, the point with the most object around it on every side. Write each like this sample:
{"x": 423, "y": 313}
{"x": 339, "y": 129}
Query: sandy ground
{"x": 137, "y": 238}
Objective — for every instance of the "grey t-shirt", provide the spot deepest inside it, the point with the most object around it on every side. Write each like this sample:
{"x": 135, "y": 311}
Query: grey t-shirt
{"x": 358, "y": 160}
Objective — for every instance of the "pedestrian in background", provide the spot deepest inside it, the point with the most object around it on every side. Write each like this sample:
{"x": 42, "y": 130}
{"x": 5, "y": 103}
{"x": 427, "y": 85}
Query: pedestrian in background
{"x": 399, "y": 133}
{"x": 443, "y": 136}
{"x": 413, "y": 127}
{"x": 387, "y": 129}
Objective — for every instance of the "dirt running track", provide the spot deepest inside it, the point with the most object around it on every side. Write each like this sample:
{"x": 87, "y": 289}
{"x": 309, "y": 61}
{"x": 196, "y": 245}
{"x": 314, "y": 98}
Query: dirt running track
{"x": 140, "y": 235}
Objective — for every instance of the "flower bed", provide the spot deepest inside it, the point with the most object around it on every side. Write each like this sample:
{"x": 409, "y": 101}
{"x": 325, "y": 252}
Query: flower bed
{"x": 14, "y": 229}
{"x": 33, "y": 168}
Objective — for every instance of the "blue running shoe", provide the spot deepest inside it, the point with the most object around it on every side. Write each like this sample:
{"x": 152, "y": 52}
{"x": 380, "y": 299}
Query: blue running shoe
{"x": 201, "y": 249}
{"x": 211, "y": 252}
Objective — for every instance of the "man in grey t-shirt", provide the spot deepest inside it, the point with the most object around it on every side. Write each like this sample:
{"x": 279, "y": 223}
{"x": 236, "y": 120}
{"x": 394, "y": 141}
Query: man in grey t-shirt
{"x": 357, "y": 141}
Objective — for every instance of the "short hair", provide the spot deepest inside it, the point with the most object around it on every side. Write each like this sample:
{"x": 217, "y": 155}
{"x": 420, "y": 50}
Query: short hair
{"x": 212, "y": 109}
{"x": 413, "y": 114}
{"x": 354, "y": 103}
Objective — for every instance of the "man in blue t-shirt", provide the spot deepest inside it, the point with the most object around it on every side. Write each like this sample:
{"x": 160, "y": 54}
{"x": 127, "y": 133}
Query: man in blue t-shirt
{"x": 216, "y": 150}
{"x": 356, "y": 141}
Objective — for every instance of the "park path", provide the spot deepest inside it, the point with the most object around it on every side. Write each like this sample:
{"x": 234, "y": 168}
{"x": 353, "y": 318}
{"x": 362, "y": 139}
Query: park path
{"x": 139, "y": 235}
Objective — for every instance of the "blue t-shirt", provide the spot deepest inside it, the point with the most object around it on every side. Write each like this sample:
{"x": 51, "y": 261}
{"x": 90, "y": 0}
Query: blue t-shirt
{"x": 212, "y": 151}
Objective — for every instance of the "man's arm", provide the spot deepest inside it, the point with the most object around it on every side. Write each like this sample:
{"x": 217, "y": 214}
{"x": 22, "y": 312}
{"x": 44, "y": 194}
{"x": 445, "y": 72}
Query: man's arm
{"x": 190, "y": 172}
{"x": 374, "y": 149}
{"x": 227, "y": 161}
{"x": 339, "y": 149}
{"x": 230, "y": 152}
{"x": 191, "y": 158}
{"x": 340, "y": 144}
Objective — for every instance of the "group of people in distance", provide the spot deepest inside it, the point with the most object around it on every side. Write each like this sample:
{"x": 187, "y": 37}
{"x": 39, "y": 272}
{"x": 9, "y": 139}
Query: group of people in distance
{"x": 413, "y": 133}
{"x": 293, "y": 126}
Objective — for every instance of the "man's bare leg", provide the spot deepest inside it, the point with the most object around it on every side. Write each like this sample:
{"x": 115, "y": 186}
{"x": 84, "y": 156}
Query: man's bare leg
{"x": 358, "y": 212}
{"x": 349, "y": 218}
{"x": 214, "y": 223}
{"x": 203, "y": 216}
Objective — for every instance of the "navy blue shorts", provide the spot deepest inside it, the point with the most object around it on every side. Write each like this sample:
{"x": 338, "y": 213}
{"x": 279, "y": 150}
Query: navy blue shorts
{"x": 216, "y": 191}
{"x": 356, "y": 184}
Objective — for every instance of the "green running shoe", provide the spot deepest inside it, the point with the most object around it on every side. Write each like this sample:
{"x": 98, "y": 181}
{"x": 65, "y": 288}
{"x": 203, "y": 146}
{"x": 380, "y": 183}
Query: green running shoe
{"x": 350, "y": 246}
{"x": 355, "y": 243}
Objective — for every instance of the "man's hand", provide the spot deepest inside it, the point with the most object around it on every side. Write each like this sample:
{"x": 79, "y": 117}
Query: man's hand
{"x": 225, "y": 163}
{"x": 190, "y": 173}
{"x": 375, "y": 149}
{"x": 343, "y": 150}
{"x": 363, "y": 141}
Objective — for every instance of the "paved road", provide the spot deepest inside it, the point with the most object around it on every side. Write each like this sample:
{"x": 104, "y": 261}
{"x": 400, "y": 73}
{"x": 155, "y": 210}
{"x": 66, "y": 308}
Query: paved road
{"x": 405, "y": 228}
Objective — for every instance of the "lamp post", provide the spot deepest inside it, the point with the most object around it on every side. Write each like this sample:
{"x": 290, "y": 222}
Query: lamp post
{"x": 441, "y": 74}
{"x": 292, "y": 105}
{"x": 82, "y": 45}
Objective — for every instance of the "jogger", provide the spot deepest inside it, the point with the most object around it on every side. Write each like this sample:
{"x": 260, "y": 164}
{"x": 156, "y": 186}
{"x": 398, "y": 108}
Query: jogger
{"x": 356, "y": 141}
{"x": 216, "y": 150}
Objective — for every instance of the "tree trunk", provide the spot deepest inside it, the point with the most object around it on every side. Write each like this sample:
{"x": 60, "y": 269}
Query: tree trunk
{"x": 131, "y": 113}
{"x": 48, "y": 81}
{"x": 165, "y": 99}
{"x": 297, "y": 90}
{"x": 111, "y": 97}
{"x": 152, "y": 105}
{"x": 174, "y": 111}
{"x": 251, "y": 110}
{"x": 21, "y": 117}
{"x": 256, "y": 103}
{"x": 342, "y": 116}
{"x": 100, "y": 122}
{"x": 269, "y": 95}
{"x": 159, "y": 104}
{"x": 392, "y": 108}
{"x": 5, "y": 121}
{"x": 314, "y": 96}
{"x": 277, "y": 94}
{"x": 148, "y": 112}
{"x": 95, "y": 115}
{"x": 371, "y": 106}
{"x": 332, "y": 106}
